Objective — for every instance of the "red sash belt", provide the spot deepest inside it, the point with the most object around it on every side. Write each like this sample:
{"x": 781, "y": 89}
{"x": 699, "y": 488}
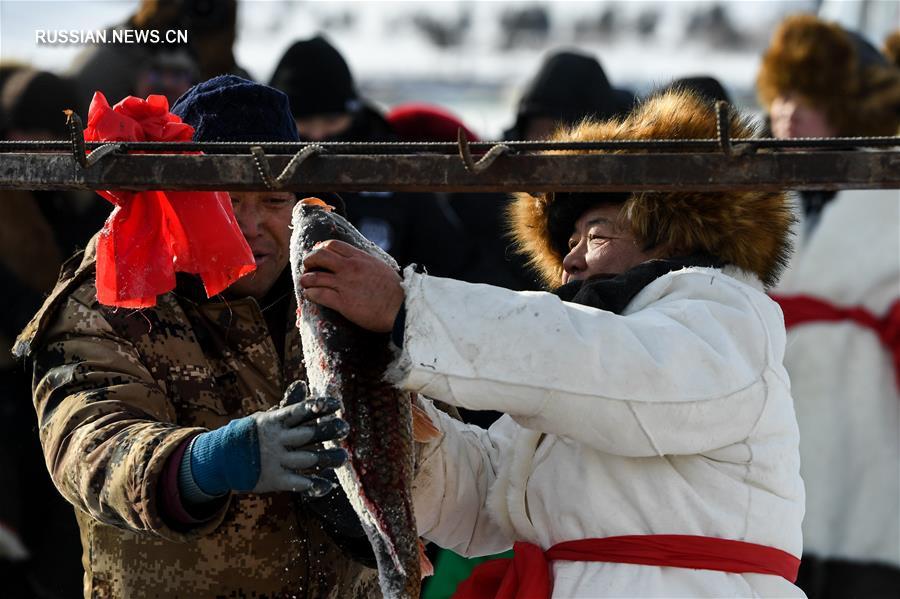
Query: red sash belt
{"x": 802, "y": 309}
{"x": 527, "y": 574}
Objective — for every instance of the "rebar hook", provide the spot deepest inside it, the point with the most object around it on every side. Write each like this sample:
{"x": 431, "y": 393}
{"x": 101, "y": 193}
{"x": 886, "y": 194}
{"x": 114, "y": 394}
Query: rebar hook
{"x": 76, "y": 134}
{"x": 262, "y": 164}
{"x": 486, "y": 161}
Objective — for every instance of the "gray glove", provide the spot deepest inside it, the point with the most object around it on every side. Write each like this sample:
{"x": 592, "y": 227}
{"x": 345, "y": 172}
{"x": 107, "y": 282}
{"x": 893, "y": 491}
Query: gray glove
{"x": 289, "y": 443}
{"x": 275, "y": 450}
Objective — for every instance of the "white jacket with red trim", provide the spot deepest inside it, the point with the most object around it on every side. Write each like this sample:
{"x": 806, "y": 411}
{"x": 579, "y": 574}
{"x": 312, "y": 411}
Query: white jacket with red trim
{"x": 843, "y": 380}
{"x": 672, "y": 418}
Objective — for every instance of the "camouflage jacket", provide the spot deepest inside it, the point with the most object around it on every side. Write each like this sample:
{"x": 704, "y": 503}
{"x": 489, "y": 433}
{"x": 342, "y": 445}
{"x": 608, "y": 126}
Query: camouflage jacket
{"x": 117, "y": 392}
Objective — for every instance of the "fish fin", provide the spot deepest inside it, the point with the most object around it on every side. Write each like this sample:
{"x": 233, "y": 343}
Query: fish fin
{"x": 317, "y": 202}
{"x": 423, "y": 429}
{"x": 424, "y": 563}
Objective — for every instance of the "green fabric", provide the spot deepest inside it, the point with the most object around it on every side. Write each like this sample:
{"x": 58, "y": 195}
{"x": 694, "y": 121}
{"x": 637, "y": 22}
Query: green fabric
{"x": 450, "y": 569}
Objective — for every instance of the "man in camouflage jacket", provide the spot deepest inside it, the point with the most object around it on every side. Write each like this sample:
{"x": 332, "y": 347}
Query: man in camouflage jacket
{"x": 119, "y": 395}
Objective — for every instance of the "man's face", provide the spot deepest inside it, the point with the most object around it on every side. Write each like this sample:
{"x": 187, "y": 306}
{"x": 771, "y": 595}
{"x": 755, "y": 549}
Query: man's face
{"x": 264, "y": 218}
{"x": 792, "y": 117}
{"x": 600, "y": 246}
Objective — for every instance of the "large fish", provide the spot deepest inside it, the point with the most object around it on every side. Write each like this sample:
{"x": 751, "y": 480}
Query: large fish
{"x": 348, "y": 362}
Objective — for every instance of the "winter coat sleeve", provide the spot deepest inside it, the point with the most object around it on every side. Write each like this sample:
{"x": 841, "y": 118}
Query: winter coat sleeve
{"x": 106, "y": 426}
{"x": 455, "y": 474}
{"x": 685, "y": 374}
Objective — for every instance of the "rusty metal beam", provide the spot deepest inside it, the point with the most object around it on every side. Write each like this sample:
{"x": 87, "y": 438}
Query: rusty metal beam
{"x": 476, "y": 147}
{"x": 428, "y": 172}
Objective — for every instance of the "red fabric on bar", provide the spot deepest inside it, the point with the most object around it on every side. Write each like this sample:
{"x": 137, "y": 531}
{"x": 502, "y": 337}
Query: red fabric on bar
{"x": 527, "y": 574}
{"x": 151, "y": 235}
{"x": 803, "y": 309}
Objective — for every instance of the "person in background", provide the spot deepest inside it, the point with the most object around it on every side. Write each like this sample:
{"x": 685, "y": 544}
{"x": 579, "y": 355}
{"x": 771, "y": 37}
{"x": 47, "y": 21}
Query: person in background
{"x": 120, "y": 70}
{"x": 38, "y": 231}
{"x": 327, "y": 107}
{"x": 324, "y": 99}
{"x": 841, "y": 302}
{"x": 649, "y": 445}
{"x": 417, "y": 121}
{"x": 568, "y": 87}
{"x": 181, "y": 433}
{"x": 33, "y": 102}
{"x": 168, "y": 71}
{"x": 703, "y": 85}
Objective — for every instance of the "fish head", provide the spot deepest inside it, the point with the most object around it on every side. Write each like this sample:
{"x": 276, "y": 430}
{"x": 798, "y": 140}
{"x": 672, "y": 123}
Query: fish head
{"x": 313, "y": 221}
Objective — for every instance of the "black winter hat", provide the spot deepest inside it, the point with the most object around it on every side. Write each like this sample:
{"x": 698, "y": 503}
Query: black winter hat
{"x": 229, "y": 108}
{"x": 34, "y": 100}
{"x": 316, "y": 78}
{"x": 569, "y": 87}
{"x": 702, "y": 85}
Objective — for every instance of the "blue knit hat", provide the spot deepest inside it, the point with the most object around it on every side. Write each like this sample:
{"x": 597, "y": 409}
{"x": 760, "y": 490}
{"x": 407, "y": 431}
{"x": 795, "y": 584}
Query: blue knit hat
{"x": 229, "y": 108}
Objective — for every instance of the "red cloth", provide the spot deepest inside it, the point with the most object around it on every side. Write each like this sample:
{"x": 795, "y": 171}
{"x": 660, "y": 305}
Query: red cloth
{"x": 527, "y": 574}
{"x": 151, "y": 235}
{"x": 802, "y": 309}
{"x": 424, "y": 122}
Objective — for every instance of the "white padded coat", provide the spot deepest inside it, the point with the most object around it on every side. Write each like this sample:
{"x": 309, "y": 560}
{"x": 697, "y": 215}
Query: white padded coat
{"x": 674, "y": 417}
{"x": 844, "y": 381}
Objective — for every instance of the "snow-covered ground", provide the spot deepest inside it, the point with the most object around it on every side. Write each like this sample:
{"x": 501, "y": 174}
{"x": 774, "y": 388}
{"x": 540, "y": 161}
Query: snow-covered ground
{"x": 460, "y": 54}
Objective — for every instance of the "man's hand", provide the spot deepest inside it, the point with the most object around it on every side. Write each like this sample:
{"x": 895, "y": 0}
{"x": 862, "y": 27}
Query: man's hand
{"x": 365, "y": 290}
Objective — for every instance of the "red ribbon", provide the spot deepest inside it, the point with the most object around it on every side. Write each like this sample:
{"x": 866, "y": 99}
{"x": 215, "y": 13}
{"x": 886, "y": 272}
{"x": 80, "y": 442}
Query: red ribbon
{"x": 803, "y": 309}
{"x": 151, "y": 235}
{"x": 527, "y": 574}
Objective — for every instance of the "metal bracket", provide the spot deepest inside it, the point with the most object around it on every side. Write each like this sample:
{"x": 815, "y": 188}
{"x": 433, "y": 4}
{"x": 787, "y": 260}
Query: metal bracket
{"x": 262, "y": 165}
{"x": 486, "y": 161}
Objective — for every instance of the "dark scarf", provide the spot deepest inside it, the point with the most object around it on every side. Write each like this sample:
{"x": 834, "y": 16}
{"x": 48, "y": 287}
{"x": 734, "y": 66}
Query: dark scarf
{"x": 613, "y": 294}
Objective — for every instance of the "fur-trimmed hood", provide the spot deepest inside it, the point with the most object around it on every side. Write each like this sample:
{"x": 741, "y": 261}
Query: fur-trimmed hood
{"x": 836, "y": 71}
{"x": 748, "y": 229}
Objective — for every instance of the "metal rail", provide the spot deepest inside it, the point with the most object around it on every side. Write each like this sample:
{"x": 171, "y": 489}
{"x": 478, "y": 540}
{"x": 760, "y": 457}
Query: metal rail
{"x": 532, "y": 172}
{"x": 480, "y": 147}
{"x": 636, "y": 165}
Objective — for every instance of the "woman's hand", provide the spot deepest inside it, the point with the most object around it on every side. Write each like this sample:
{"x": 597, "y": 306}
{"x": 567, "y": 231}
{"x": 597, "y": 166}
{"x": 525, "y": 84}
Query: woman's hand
{"x": 364, "y": 289}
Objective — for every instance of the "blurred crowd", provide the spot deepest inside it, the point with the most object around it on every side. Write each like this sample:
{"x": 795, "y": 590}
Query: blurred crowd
{"x": 816, "y": 80}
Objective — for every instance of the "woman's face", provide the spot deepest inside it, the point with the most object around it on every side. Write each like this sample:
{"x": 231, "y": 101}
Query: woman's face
{"x": 793, "y": 117}
{"x": 599, "y": 246}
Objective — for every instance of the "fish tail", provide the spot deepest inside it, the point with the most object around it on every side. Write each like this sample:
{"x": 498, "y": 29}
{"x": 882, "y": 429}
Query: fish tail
{"x": 425, "y": 566}
{"x": 423, "y": 429}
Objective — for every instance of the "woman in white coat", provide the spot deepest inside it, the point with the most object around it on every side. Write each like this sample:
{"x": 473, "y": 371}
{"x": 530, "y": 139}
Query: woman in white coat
{"x": 841, "y": 301}
{"x": 649, "y": 446}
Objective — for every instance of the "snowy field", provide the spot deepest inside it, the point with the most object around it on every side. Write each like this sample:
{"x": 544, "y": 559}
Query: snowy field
{"x": 471, "y": 57}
